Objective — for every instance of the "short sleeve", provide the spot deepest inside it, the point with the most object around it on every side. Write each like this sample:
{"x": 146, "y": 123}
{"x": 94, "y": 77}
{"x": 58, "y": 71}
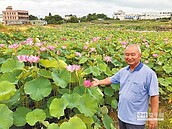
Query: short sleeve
{"x": 115, "y": 79}
{"x": 153, "y": 84}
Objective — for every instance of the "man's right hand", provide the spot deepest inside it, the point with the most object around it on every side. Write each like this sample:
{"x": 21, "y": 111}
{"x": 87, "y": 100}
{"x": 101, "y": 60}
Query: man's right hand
{"x": 94, "y": 83}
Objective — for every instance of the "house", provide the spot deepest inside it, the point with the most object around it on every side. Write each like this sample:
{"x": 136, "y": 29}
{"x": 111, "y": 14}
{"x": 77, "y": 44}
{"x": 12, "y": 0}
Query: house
{"x": 119, "y": 15}
{"x": 11, "y": 16}
{"x": 147, "y": 15}
{"x": 38, "y": 22}
{"x": 155, "y": 15}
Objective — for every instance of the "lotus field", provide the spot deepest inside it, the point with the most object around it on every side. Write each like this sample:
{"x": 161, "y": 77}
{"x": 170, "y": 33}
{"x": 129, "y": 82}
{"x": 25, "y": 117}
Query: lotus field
{"x": 45, "y": 73}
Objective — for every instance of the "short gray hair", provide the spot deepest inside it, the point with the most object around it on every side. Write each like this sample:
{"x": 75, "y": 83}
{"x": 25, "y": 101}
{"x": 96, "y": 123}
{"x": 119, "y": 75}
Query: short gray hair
{"x": 135, "y": 45}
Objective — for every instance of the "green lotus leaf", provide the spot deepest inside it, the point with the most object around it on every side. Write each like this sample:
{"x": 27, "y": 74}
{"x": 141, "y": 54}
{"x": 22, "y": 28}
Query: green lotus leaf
{"x": 19, "y": 116}
{"x": 96, "y": 93}
{"x": 117, "y": 63}
{"x": 11, "y": 76}
{"x": 74, "y": 122}
{"x": 10, "y": 65}
{"x": 102, "y": 67}
{"x": 61, "y": 77}
{"x": 87, "y": 71}
{"x": 13, "y": 100}
{"x": 57, "y": 107}
{"x": 167, "y": 68}
{"x": 36, "y": 115}
{"x": 6, "y": 119}
{"x": 59, "y": 80}
{"x": 7, "y": 90}
{"x": 108, "y": 72}
{"x": 83, "y": 60}
{"x": 104, "y": 110}
{"x": 79, "y": 89}
{"x": 108, "y": 91}
{"x": 61, "y": 64}
{"x": 53, "y": 63}
{"x": 95, "y": 70}
{"x": 87, "y": 105}
{"x": 2, "y": 60}
{"x": 49, "y": 63}
{"x": 38, "y": 88}
{"x": 45, "y": 73}
{"x": 115, "y": 87}
{"x": 53, "y": 126}
{"x": 73, "y": 77}
{"x": 25, "y": 52}
{"x": 87, "y": 120}
{"x": 72, "y": 99}
{"x": 114, "y": 103}
{"x": 107, "y": 121}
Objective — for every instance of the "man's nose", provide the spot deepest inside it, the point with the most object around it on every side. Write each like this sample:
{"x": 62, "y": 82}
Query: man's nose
{"x": 129, "y": 57}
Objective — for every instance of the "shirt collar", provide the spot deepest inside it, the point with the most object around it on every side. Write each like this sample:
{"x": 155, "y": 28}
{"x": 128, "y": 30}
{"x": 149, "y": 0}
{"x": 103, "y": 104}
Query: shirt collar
{"x": 137, "y": 68}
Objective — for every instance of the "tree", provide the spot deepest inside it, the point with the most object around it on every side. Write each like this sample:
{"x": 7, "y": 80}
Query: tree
{"x": 73, "y": 19}
{"x": 102, "y": 16}
{"x": 91, "y": 17}
{"x": 31, "y": 17}
{"x": 49, "y": 14}
{"x": 56, "y": 19}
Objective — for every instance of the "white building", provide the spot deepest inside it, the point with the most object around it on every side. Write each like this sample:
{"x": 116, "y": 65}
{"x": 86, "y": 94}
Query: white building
{"x": 147, "y": 15}
{"x": 155, "y": 15}
{"x": 119, "y": 15}
{"x": 131, "y": 16}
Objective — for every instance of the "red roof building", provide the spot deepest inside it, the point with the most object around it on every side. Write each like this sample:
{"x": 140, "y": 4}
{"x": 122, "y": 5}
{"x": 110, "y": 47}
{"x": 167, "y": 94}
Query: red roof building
{"x": 11, "y": 16}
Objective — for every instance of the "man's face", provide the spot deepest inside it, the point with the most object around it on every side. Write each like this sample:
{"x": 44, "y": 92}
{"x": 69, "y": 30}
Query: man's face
{"x": 132, "y": 56}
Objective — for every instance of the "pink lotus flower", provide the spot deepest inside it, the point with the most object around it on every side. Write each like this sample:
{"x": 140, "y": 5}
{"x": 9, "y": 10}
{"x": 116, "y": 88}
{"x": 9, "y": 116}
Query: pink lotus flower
{"x": 96, "y": 39}
{"x": 71, "y": 68}
{"x": 92, "y": 49}
{"x": 124, "y": 43}
{"x": 43, "y": 49}
{"x": 107, "y": 38}
{"x": 78, "y": 54}
{"x": 22, "y": 58}
{"x": 38, "y": 44}
{"x": 51, "y": 48}
{"x": 29, "y": 41}
{"x": 108, "y": 59}
{"x": 13, "y": 46}
{"x": 33, "y": 59}
{"x": 87, "y": 83}
{"x": 77, "y": 67}
{"x": 155, "y": 55}
{"x": 2, "y": 45}
{"x": 63, "y": 47}
{"x": 85, "y": 47}
{"x": 26, "y": 58}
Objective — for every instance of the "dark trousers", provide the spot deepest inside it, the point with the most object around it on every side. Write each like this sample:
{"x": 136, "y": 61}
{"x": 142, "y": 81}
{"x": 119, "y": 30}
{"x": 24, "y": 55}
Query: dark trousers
{"x": 123, "y": 125}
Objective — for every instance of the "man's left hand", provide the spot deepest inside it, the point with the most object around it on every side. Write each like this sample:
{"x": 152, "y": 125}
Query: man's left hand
{"x": 152, "y": 124}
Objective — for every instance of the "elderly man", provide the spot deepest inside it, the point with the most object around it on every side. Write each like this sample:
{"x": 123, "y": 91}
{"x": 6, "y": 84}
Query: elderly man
{"x": 138, "y": 87}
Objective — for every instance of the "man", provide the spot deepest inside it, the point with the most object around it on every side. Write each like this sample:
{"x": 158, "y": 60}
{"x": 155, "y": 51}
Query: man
{"x": 138, "y": 86}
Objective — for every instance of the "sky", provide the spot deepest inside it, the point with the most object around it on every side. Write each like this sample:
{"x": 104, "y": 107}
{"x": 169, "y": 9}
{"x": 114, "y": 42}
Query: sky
{"x": 41, "y": 8}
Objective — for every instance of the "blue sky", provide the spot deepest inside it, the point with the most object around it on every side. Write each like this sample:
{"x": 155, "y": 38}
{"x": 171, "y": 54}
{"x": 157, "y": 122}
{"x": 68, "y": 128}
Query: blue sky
{"x": 80, "y": 8}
